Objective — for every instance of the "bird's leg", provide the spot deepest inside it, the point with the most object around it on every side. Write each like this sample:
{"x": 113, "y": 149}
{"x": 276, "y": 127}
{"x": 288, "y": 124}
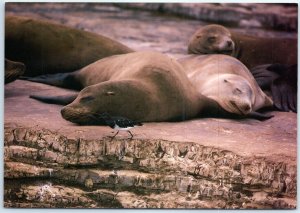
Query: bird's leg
{"x": 130, "y": 134}
{"x": 114, "y": 136}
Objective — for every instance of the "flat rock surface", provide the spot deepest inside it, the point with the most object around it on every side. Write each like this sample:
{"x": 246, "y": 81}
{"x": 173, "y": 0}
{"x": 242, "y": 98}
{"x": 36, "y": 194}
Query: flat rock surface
{"x": 201, "y": 163}
{"x": 246, "y": 137}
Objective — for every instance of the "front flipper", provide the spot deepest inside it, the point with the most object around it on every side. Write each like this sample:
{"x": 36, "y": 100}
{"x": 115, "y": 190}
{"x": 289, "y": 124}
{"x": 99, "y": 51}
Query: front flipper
{"x": 259, "y": 116}
{"x": 60, "y": 100}
{"x": 64, "y": 80}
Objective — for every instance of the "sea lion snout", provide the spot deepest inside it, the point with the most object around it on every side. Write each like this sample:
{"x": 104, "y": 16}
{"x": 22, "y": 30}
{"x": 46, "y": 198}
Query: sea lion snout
{"x": 76, "y": 116}
{"x": 242, "y": 108}
{"x": 13, "y": 70}
{"x": 229, "y": 43}
{"x": 226, "y": 46}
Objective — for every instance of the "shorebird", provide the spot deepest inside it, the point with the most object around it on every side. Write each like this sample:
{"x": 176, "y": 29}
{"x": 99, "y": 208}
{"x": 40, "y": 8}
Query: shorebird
{"x": 119, "y": 123}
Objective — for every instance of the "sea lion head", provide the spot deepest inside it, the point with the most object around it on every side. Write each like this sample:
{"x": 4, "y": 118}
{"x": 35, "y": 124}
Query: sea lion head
{"x": 121, "y": 98}
{"x": 232, "y": 92}
{"x": 211, "y": 39}
{"x": 13, "y": 70}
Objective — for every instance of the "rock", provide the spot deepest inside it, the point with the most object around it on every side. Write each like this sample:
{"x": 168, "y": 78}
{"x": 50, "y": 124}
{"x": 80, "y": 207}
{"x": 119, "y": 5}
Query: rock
{"x": 273, "y": 16}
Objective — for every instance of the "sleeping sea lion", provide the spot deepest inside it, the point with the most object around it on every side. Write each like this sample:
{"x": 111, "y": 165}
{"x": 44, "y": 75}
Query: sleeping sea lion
{"x": 253, "y": 52}
{"x": 142, "y": 86}
{"x": 227, "y": 81}
{"x": 46, "y": 47}
{"x": 149, "y": 86}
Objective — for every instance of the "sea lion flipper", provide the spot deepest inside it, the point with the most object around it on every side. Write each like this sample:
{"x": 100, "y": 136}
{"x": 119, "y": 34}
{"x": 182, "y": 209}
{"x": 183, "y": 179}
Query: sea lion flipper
{"x": 61, "y": 100}
{"x": 284, "y": 89}
{"x": 65, "y": 80}
{"x": 259, "y": 116}
{"x": 264, "y": 75}
{"x": 284, "y": 95}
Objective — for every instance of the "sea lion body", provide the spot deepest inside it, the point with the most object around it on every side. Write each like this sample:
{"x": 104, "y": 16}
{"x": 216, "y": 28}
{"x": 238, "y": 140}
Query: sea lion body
{"x": 143, "y": 86}
{"x": 149, "y": 86}
{"x": 254, "y": 51}
{"x": 46, "y": 47}
{"x": 227, "y": 81}
{"x": 251, "y": 51}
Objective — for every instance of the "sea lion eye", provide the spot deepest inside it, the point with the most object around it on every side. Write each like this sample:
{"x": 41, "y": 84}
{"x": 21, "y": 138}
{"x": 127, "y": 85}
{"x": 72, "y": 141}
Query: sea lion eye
{"x": 225, "y": 81}
{"x": 238, "y": 91}
{"x": 211, "y": 39}
{"x": 110, "y": 93}
{"x": 87, "y": 98}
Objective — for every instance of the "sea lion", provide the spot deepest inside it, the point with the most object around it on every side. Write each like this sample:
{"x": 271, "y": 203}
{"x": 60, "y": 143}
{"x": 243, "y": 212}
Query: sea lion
{"x": 227, "y": 81}
{"x": 46, "y": 47}
{"x": 13, "y": 70}
{"x": 149, "y": 86}
{"x": 253, "y": 52}
{"x": 250, "y": 50}
{"x": 142, "y": 86}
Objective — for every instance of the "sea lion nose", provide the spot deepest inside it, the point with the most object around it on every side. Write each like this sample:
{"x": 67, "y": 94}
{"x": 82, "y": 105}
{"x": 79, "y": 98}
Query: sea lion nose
{"x": 63, "y": 112}
{"x": 229, "y": 43}
{"x": 246, "y": 107}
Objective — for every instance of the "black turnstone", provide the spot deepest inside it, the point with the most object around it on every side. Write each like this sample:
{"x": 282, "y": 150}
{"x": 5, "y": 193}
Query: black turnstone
{"x": 119, "y": 123}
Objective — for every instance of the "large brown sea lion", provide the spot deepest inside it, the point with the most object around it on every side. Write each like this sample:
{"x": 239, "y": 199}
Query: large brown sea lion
{"x": 227, "y": 81}
{"x": 255, "y": 52}
{"x": 46, "y": 47}
{"x": 143, "y": 86}
{"x": 149, "y": 86}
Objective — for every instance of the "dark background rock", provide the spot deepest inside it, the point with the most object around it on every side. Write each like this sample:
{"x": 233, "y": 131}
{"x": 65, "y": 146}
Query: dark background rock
{"x": 201, "y": 163}
{"x": 272, "y": 16}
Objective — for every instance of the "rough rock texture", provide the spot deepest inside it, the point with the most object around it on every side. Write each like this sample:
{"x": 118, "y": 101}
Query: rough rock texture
{"x": 201, "y": 163}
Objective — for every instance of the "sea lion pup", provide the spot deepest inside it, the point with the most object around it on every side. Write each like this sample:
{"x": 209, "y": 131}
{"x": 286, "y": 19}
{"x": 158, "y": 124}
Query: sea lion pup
{"x": 142, "y": 86}
{"x": 13, "y": 70}
{"x": 227, "y": 81}
{"x": 46, "y": 47}
{"x": 254, "y": 52}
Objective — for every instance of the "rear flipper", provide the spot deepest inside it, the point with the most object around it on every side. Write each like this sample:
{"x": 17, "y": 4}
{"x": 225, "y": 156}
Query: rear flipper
{"x": 64, "y": 80}
{"x": 282, "y": 81}
{"x": 284, "y": 90}
{"x": 266, "y": 74}
{"x": 60, "y": 100}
